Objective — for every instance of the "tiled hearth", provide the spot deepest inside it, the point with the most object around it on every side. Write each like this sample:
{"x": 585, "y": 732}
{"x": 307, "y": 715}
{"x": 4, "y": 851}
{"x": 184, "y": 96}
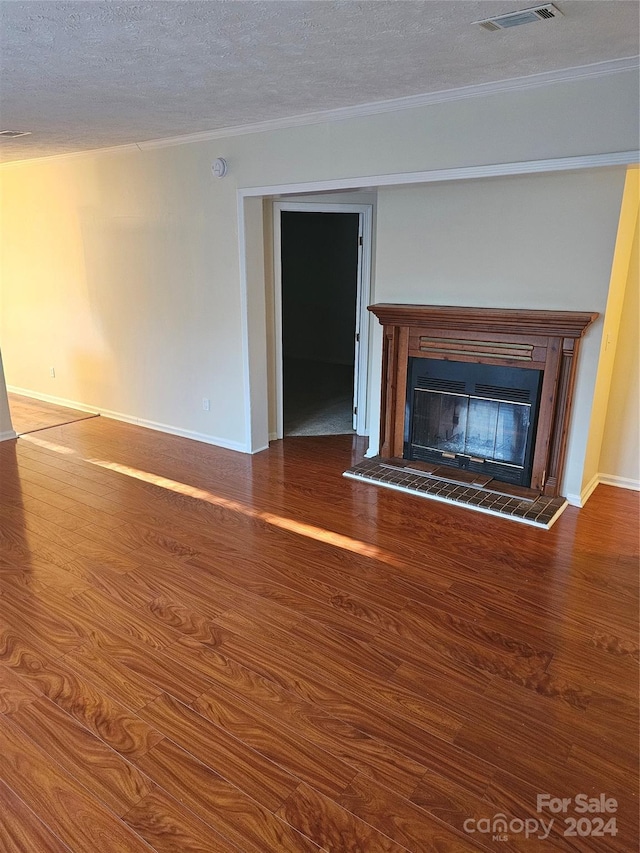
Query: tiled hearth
{"x": 539, "y": 511}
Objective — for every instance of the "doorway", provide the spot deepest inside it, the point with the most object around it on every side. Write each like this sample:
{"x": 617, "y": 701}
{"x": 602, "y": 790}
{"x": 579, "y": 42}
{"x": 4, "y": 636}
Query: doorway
{"x": 321, "y": 293}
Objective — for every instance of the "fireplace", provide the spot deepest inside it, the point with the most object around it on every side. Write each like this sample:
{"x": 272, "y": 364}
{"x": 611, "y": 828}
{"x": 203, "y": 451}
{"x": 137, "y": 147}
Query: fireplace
{"x": 474, "y": 417}
{"x": 479, "y": 391}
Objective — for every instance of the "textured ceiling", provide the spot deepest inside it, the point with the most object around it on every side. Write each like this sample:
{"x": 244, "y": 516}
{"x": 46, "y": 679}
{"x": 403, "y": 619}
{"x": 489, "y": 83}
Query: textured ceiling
{"x": 83, "y": 75}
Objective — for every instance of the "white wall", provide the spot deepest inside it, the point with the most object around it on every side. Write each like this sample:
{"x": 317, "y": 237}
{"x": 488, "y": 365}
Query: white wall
{"x": 620, "y": 267}
{"x": 619, "y": 459}
{"x": 123, "y": 270}
{"x": 538, "y": 241}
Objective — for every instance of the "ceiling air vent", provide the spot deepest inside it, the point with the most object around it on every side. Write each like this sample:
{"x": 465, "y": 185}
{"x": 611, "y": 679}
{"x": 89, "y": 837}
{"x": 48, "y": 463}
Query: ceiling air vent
{"x": 14, "y": 134}
{"x": 516, "y": 19}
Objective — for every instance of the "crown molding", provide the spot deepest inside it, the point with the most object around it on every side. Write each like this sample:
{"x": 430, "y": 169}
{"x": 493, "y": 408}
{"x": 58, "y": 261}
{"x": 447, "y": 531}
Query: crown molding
{"x": 514, "y": 84}
{"x": 74, "y": 155}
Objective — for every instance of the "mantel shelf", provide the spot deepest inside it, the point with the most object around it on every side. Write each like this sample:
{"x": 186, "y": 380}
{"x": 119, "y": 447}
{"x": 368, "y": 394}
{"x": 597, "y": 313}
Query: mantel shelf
{"x": 563, "y": 324}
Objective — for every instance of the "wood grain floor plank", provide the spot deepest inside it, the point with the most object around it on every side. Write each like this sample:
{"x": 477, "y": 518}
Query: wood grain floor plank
{"x": 507, "y": 793}
{"x": 339, "y": 680}
{"x": 41, "y": 547}
{"x": 107, "y": 719}
{"x": 45, "y": 490}
{"x": 169, "y": 829}
{"x": 441, "y": 680}
{"x": 357, "y": 749}
{"x": 99, "y": 536}
{"x": 469, "y": 644}
{"x": 15, "y": 636}
{"x": 103, "y": 772}
{"x": 30, "y": 611}
{"x": 39, "y": 472}
{"x": 49, "y": 575}
{"x": 125, "y": 619}
{"x": 178, "y": 582}
{"x": 63, "y": 804}
{"x": 271, "y": 602}
{"x": 28, "y": 414}
{"x": 14, "y": 693}
{"x": 583, "y": 729}
{"x": 333, "y": 828}
{"x": 92, "y": 622}
{"x": 21, "y": 831}
{"x": 405, "y": 822}
{"x": 298, "y": 756}
{"x": 18, "y": 575}
{"x": 372, "y": 668}
{"x": 91, "y": 549}
{"x": 450, "y": 808}
{"x": 157, "y": 541}
{"x": 37, "y": 449}
{"x": 20, "y": 655}
{"x": 55, "y": 534}
{"x": 615, "y": 676}
{"x": 189, "y": 622}
{"x": 82, "y": 509}
{"x": 161, "y": 671}
{"x": 514, "y": 743}
{"x": 113, "y": 581}
{"x": 305, "y": 604}
{"x": 106, "y": 502}
{"x": 401, "y": 735}
{"x": 235, "y": 815}
{"x": 104, "y": 670}
{"x": 353, "y": 572}
{"x": 279, "y": 561}
{"x": 238, "y": 763}
{"x": 312, "y": 637}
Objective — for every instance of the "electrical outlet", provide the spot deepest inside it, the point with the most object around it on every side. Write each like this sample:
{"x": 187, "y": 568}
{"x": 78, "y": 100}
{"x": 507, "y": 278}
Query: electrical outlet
{"x": 206, "y": 404}
{"x": 52, "y": 372}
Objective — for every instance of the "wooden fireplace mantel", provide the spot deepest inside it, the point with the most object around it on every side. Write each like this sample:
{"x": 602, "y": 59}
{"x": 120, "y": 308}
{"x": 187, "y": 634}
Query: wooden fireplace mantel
{"x": 540, "y": 340}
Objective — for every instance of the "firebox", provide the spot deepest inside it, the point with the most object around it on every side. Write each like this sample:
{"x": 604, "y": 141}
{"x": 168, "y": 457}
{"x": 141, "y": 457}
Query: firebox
{"x": 478, "y": 417}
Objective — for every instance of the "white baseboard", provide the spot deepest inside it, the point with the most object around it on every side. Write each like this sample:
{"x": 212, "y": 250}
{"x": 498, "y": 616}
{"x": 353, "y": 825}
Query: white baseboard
{"x": 49, "y": 398}
{"x": 619, "y": 482}
{"x": 130, "y": 419}
{"x": 581, "y": 499}
{"x": 172, "y": 430}
{"x": 7, "y": 435}
{"x": 606, "y": 480}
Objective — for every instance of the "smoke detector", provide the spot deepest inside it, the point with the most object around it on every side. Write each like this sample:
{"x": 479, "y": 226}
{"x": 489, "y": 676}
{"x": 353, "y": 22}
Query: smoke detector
{"x": 516, "y": 19}
{"x": 14, "y": 134}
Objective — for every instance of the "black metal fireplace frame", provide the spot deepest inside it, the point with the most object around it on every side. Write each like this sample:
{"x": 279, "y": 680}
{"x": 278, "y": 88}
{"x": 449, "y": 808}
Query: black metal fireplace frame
{"x": 514, "y": 385}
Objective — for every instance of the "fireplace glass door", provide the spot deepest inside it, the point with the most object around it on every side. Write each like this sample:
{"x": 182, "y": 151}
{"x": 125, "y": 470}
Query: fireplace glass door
{"x": 472, "y": 416}
{"x": 473, "y": 426}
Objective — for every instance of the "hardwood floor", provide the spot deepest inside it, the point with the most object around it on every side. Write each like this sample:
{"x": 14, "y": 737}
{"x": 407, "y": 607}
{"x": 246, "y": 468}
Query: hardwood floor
{"x": 30, "y": 415}
{"x": 206, "y": 651}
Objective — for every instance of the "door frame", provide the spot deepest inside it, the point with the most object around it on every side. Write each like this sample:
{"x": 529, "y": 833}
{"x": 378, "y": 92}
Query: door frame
{"x": 363, "y": 297}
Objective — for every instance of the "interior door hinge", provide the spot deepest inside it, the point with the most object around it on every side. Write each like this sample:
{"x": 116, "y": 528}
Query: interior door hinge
{"x": 355, "y": 410}
{"x": 360, "y": 241}
{"x": 357, "y": 337}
